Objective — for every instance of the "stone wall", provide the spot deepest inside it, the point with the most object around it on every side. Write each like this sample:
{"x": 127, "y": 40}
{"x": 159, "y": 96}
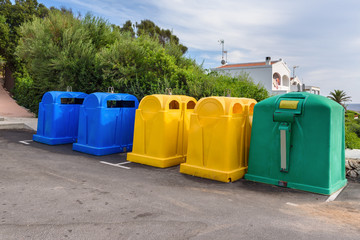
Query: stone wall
{"x": 352, "y": 168}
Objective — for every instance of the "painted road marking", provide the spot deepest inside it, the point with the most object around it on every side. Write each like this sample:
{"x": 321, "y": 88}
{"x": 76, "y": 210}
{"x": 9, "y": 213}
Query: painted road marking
{"x": 123, "y": 163}
{"x": 116, "y": 164}
{"x": 292, "y": 204}
{"x": 26, "y": 142}
{"x": 334, "y": 195}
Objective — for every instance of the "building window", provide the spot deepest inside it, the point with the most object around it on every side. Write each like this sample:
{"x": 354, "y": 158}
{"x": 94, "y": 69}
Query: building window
{"x": 276, "y": 81}
{"x": 285, "y": 81}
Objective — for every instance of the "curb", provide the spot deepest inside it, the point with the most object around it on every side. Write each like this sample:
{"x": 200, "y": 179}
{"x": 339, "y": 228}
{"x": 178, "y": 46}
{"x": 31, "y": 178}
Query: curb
{"x": 14, "y": 125}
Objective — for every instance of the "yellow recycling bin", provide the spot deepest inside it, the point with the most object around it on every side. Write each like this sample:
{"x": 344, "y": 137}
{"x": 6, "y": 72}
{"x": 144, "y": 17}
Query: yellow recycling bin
{"x": 219, "y": 138}
{"x": 161, "y": 130}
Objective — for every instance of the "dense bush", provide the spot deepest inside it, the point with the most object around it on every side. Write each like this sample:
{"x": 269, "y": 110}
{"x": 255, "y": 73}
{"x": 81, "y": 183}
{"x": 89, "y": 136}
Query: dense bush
{"x": 27, "y": 94}
{"x": 2, "y": 61}
{"x": 140, "y": 66}
{"x": 352, "y": 130}
{"x": 351, "y": 139}
{"x": 91, "y": 55}
{"x": 60, "y": 50}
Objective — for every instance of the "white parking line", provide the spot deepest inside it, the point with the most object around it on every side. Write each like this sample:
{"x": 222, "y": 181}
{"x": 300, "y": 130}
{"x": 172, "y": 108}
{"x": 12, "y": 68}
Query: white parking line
{"x": 26, "y": 142}
{"x": 116, "y": 164}
{"x": 292, "y": 204}
{"x": 334, "y": 195}
{"x": 123, "y": 163}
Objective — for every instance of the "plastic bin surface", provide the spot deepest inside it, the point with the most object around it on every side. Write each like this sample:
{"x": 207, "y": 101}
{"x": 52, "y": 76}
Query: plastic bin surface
{"x": 58, "y": 117}
{"x": 161, "y": 128}
{"x": 219, "y": 138}
{"x": 298, "y": 141}
{"x": 106, "y": 123}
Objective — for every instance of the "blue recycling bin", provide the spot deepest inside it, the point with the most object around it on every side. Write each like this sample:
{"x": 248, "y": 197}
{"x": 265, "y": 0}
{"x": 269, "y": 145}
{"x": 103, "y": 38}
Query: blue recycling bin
{"x": 106, "y": 124}
{"x": 58, "y": 117}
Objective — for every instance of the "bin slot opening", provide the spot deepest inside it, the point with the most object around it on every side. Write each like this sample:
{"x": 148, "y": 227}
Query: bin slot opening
{"x": 251, "y": 108}
{"x": 120, "y": 104}
{"x": 190, "y": 105}
{"x": 72, "y": 100}
{"x": 174, "y": 105}
{"x": 237, "y": 108}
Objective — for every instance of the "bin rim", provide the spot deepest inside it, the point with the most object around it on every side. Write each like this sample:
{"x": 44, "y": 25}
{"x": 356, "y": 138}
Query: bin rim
{"x": 227, "y": 104}
{"x": 55, "y": 96}
{"x": 164, "y": 100}
{"x": 99, "y": 99}
{"x": 321, "y": 100}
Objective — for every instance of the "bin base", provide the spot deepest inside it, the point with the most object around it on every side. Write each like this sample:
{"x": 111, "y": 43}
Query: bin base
{"x": 222, "y": 176}
{"x": 52, "y": 141}
{"x": 299, "y": 186}
{"x": 100, "y": 151}
{"x": 155, "y": 161}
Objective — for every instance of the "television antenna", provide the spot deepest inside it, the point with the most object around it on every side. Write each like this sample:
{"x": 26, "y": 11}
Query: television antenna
{"x": 294, "y": 67}
{"x": 223, "y": 52}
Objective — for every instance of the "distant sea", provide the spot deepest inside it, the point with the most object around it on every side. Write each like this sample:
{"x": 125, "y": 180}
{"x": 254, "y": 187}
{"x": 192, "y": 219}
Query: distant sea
{"x": 353, "y": 107}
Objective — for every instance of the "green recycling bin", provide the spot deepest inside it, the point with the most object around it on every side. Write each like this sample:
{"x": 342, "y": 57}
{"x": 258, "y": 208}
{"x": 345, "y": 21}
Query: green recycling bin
{"x": 298, "y": 141}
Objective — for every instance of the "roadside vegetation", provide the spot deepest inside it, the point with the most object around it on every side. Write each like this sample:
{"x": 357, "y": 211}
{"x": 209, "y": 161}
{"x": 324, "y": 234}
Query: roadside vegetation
{"x": 55, "y": 49}
{"x": 352, "y": 130}
{"x": 352, "y": 121}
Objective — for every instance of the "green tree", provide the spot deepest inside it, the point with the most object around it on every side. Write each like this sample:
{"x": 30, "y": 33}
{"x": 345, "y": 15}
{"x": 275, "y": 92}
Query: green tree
{"x": 149, "y": 28}
{"x": 91, "y": 55}
{"x": 140, "y": 66}
{"x": 4, "y": 33}
{"x": 129, "y": 28}
{"x": 164, "y": 36}
{"x": 340, "y": 97}
{"x": 60, "y": 50}
{"x": 15, "y": 15}
{"x": 2, "y": 63}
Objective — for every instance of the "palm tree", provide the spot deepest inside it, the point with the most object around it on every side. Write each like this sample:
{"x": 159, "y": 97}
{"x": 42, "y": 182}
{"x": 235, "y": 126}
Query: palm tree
{"x": 340, "y": 97}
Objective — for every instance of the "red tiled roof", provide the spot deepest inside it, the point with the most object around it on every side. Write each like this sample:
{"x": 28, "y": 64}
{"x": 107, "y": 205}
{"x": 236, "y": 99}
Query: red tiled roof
{"x": 245, "y": 64}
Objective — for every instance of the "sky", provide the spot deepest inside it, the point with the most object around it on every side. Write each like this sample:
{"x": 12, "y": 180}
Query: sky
{"x": 322, "y": 37}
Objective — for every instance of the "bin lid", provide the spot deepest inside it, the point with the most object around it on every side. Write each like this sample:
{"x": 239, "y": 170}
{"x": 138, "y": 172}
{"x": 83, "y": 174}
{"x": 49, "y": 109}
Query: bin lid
{"x": 56, "y": 96}
{"x": 100, "y": 99}
{"x": 217, "y": 106}
{"x": 160, "y": 102}
{"x": 288, "y": 101}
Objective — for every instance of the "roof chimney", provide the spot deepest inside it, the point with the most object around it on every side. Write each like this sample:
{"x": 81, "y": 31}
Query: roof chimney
{"x": 268, "y": 60}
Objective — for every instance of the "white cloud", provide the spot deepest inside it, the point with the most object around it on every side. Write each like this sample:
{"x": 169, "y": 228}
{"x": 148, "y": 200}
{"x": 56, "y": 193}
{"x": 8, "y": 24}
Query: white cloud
{"x": 110, "y": 10}
{"x": 201, "y": 23}
{"x": 234, "y": 56}
{"x": 330, "y": 79}
{"x": 205, "y": 56}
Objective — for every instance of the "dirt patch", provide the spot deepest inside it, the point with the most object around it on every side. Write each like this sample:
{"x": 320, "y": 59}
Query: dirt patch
{"x": 219, "y": 192}
{"x": 340, "y": 213}
{"x": 9, "y": 107}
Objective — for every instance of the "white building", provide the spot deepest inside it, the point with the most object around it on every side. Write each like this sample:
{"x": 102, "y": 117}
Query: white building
{"x": 312, "y": 89}
{"x": 273, "y": 75}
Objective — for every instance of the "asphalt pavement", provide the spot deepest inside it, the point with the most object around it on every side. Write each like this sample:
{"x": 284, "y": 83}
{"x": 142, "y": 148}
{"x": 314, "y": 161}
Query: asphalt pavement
{"x": 52, "y": 192}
